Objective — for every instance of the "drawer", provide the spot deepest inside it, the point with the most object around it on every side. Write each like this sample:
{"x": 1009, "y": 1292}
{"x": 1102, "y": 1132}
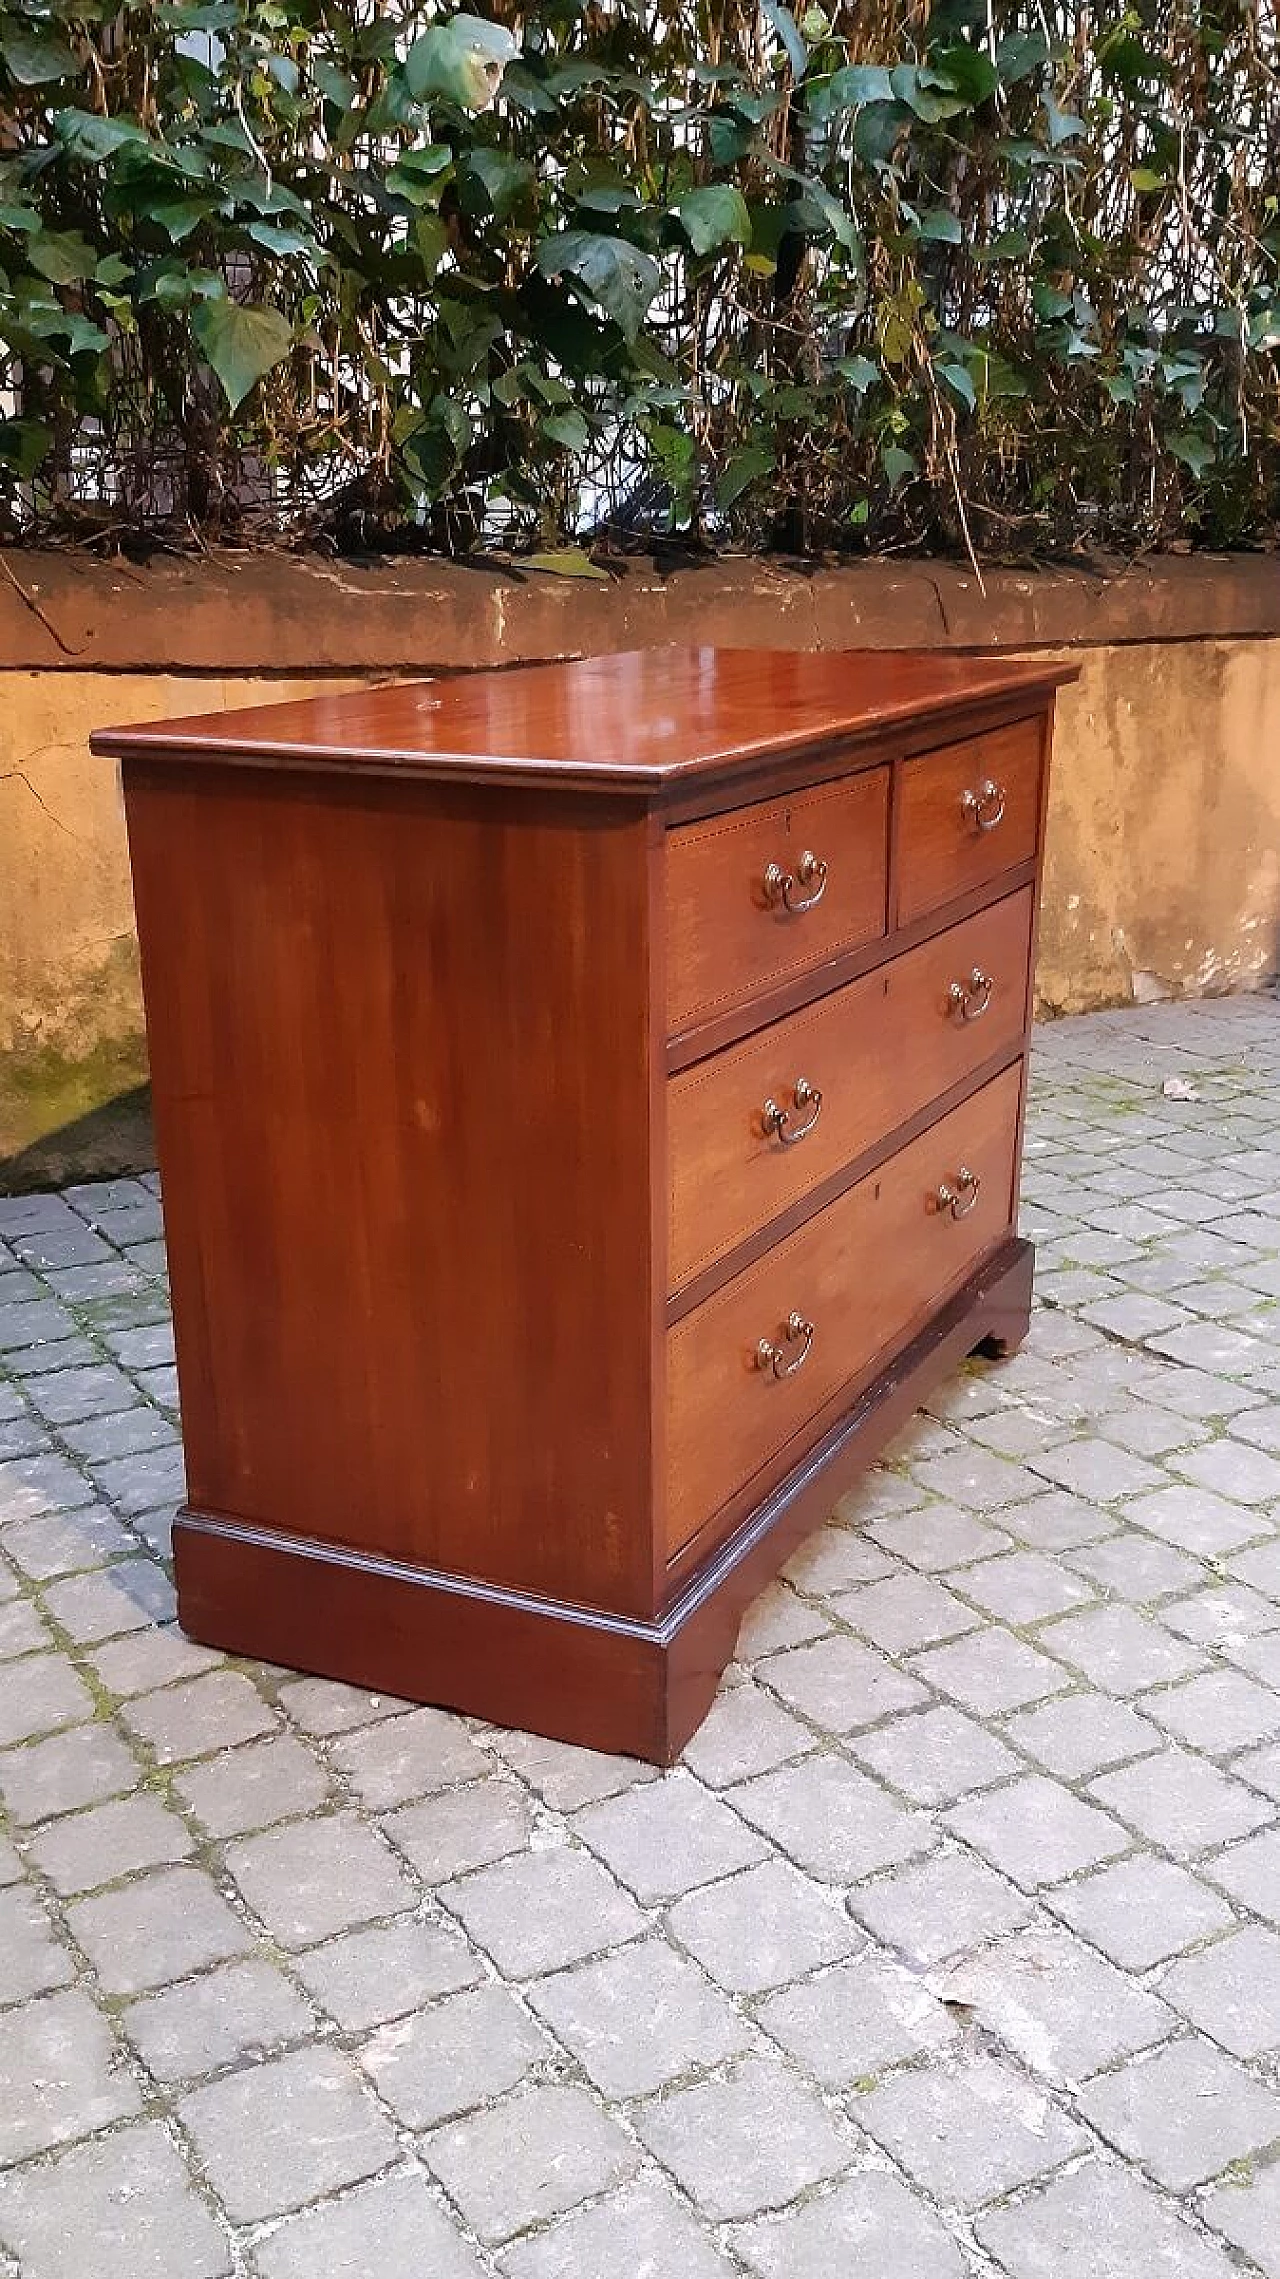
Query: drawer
{"x": 770, "y": 891}
{"x": 966, "y": 814}
{"x": 755, "y": 1364}
{"x": 844, "y": 1073}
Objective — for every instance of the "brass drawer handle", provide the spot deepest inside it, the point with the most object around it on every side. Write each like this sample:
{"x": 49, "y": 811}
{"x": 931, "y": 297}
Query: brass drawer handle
{"x": 774, "y": 1357}
{"x": 985, "y": 806}
{"x": 971, "y": 998}
{"x": 778, "y": 1119}
{"x": 780, "y": 885}
{"x": 960, "y": 1199}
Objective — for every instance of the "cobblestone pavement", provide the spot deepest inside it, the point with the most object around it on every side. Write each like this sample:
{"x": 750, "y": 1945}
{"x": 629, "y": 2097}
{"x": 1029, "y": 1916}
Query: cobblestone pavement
{"x": 953, "y": 1947}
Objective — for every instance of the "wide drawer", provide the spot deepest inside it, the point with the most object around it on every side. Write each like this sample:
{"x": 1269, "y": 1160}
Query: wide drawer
{"x": 759, "y": 1126}
{"x": 765, "y": 893}
{"x": 753, "y": 1365}
{"x": 966, "y": 814}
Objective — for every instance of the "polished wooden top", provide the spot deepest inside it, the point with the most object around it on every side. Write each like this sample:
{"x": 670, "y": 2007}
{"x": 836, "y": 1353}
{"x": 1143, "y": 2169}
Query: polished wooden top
{"x": 637, "y": 721}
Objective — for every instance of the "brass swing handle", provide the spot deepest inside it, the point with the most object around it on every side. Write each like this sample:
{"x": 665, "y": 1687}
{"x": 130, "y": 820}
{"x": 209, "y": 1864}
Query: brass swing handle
{"x": 960, "y": 1198}
{"x": 780, "y": 885}
{"x": 773, "y": 1358}
{"x": 971, "y": 998}
{"x": 985, "y": 806}
{"x": 777, "y": 1119}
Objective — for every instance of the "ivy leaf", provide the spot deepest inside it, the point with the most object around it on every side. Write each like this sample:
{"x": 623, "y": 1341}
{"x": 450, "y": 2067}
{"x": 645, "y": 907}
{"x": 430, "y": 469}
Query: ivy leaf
{"x": 715, "y": 216}
{"x": 36, "y": 55}
{"x": 84, "y": 135}
{"x": 609, "y": 270}
{"x": 924, "y": 93}
{"x": 564, "y": 562}
{"x": 461, "y": 61}
{"x": 502, "y": 179}
{"x": 241, "y": 343}
{"x": 24, "y": 444}
{"x": 859, "y": 371}
{"x": 856, "y": 84}
{"x": 960, "y": 382}
{"x": 742, "y": 469}
{"x": 1194, "y": 451}
{"x": 566, "y": 427}
{"x": 942, "y": 226}
{"x": 62, "y": 256}
{"x": 897, "y": 464}
{"x": 788, "y": 32}
{"x": 416, "y": 173}
{"x": 969, "y": 70}
{"x": 1064, "y": 126}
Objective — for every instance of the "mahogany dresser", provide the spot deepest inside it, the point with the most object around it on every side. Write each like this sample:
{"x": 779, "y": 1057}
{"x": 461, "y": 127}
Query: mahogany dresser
{"x": 588, "y": 1101}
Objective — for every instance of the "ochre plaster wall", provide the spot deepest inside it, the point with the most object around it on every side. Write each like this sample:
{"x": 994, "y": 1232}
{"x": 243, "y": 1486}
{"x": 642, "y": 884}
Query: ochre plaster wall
{"x": 1163, "y": 861}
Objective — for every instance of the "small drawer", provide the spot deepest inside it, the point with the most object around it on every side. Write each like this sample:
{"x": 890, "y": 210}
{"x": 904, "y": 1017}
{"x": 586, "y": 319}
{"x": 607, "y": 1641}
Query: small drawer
{"x": 767, "y": 892}
{"x": 749, "y": 1369}
{"x": 966, "y": 814}
{"x": 757, "y": 1127}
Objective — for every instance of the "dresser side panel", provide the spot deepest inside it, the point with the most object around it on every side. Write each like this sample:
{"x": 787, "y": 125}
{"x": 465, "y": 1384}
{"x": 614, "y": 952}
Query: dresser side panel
{"x": 402, "y": 1060}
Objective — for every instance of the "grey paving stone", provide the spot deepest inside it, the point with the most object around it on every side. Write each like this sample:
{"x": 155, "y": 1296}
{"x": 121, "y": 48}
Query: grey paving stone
{"x": 311, "y": 1878}
{"x": 91, "y": 1848}
{"x": 1247, "y": 2212}
{"x": 640, "y": 2232}
{"x": 68, "y": 1395}
{"x": 31, "y": 1959}
{"x": 394, "y": 2226}
{"x": 1184, "y": 2114}
{"x": 1057, "y": 2005}
{"x": 62, "y": 2075}
{"x": 1231, "y": 1468}
{"x": 748, "y": 2141}
{"x": 840, "y": 1684}
{"x": 831, "y": 1819}
{"x": 21, "y": 1632}
{"x": 1220, "y": 1613}
{"x": 1100, "y": 2222}
{"x": 253, "y": 1786}
{"x": 448, "y": 2059}
{"x": 1250, "y": 1872}
{"x": 365, "y": 1977}
{"x": 779, "y": 1618}
{"x": 972, "y": 1477}
{"x": 1024, "y": 1586}
{"x": 320, "y": 1707}
{"x": 58, "y": 1353}
{"x": 1231, "y": 1991}
{"x": 1260, "y": 1568}
{"x": 1138, "y": 1568}
{"x": 156, "y": 1928}
{"x": 136, "y": 1483}
{"x": 61, "y": 1543}
{"x": 1141, "y": 1911}
{"x": 99, "y": 1439}
{"x": 870, "y": 2224}
{"x": 1217, "y": 1713}
{"x": 130, "y": 1594}
{"x": 848, "y": 2024}
{"x": 991, "y": 1670}
{"x": 935, "y": 1756}
{"x": 939, "y": 1909}
{"x": 906, "y": 1611}
{"x": 745, "y": 1732}
{"x": 543, "y": 1910}
{"x": 1037, "y": 1831}
{"x": 1194, "y": 1519}
{"x": 406, "y": 1757}
{"x": 1097, "y": 1470}
{"x": 533, "y": 2156}
{"x": 148, "y": 1346}
{"x": 938, "y": 1536}
{"x": 1183, "y": 1804}
{"x": 668, "y": 1838}
{"x": 49, "y": 1697}
{"x": 1261, "y": 1768}
{"x": 1059, "y": 1522}
{"x": 763, "y": 1928}
{"x": 285, "y": 2131}
{"x": 192, "y": 1720}
{"x": 564, "y": 1777}
{"x": 463, "y": 1828}
{"x": 836, "y": 1559}
{"x": 123, "y": 2209}
{"x": 82, "y": 1766}
{"x": 42, "y": 1322}
{"x": 1083, "y": 1733}
{"x": 969, "y": 2132}
{"x": 640, "y": 2018}
{"x": 241, "y": 2011}
{"x": 1121, "y": 1650}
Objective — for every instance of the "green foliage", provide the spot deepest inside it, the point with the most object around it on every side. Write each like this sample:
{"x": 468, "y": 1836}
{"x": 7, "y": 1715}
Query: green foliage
{"x": 824, "y": 277}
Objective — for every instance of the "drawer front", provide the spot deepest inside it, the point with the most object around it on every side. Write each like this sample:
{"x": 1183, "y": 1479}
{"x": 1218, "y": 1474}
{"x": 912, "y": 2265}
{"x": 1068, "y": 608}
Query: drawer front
{"x": 843, "y": 1074}
{"x": 848, "y": 1286}
{"x": 966, "y": 814}
{"x": 769, "y": 891}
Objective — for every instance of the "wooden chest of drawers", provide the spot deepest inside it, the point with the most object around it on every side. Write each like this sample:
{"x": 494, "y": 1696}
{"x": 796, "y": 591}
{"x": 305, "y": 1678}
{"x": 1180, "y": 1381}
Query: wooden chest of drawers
{"x": 588, "y": 1102}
